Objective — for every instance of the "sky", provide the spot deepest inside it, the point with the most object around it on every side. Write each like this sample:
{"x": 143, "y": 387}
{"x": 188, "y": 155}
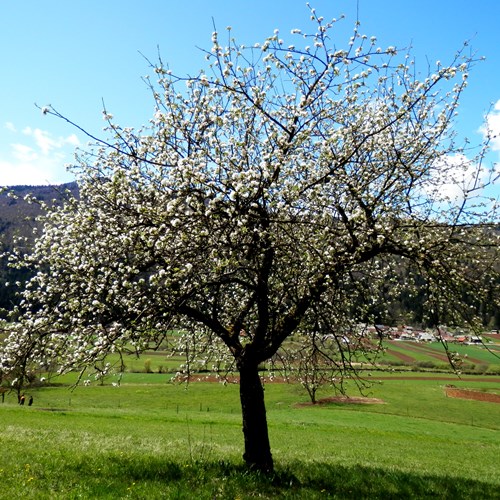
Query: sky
{"x": 76, "y": 55}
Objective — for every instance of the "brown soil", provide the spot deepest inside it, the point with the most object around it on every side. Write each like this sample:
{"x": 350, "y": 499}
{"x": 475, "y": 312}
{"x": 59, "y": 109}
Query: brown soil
{"x": 403, "y": 357}
{"x": 344, "y": 400}
{"x": 454, "y": 392}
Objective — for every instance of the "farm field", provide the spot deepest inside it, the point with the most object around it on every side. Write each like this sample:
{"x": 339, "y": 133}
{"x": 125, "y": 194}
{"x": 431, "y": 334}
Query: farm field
{"x": 403, "y": 355}
{"x": 149, "y": 438}
{"x": 432, "y": 355}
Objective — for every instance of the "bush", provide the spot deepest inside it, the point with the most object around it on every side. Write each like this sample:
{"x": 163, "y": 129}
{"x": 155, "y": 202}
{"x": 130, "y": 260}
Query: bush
{"x": 426, "y": 364}
{"x": 492, "y": 370}
{"x": 481, "y": 368}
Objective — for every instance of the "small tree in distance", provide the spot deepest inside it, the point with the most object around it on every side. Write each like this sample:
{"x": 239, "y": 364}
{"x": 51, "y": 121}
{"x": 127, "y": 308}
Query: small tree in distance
{"x": 276, "y": 189}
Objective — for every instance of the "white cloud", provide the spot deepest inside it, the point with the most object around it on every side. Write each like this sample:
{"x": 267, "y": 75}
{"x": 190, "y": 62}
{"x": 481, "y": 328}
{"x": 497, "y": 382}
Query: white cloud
{"x": 492, "y": 127}
{"x": 491, "y": 132}
{"x": 23, "y": 153}
{"x": 36, "y": 157}
{"x": 46, "y": 143}
{"x": 455, "y": 176}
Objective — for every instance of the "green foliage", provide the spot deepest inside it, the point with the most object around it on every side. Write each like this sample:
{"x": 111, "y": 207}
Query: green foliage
{"x": 147, "y": 366}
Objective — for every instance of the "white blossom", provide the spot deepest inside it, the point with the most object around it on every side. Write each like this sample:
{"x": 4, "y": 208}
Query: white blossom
{"x": 276, "y": 196}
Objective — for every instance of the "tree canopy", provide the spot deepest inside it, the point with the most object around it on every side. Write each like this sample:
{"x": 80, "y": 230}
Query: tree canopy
{"x": 276, "y": 192}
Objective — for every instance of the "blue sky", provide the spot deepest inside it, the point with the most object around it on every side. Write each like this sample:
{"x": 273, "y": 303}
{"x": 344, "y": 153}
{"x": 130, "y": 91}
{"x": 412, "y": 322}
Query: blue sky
{"x": 75, "y": 54}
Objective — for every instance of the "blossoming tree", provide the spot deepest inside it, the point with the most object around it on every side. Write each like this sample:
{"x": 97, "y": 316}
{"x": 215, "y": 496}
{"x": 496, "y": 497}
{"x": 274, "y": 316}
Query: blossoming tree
{"x": 271, "y": 194}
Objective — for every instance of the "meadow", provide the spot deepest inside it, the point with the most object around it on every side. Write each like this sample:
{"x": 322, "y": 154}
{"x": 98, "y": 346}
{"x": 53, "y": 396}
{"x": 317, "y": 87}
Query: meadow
{"x": 151, "y": 438}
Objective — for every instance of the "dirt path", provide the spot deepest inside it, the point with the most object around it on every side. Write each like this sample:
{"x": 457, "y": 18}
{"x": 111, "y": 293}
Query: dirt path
{"x": 455, "y": 392}
{"x": 403, "y": 357}
{"x": 343, "y": 400}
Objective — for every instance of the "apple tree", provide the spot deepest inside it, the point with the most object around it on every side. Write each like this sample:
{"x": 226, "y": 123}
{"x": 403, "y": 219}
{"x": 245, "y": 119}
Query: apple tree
{"x": 276, "y": 190}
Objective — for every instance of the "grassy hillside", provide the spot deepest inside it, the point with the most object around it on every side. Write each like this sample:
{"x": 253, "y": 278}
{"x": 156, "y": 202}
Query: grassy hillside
{"x": 158, "y": 440}
{"x": 432, "y": 356}
{"x": 404, "y": 356}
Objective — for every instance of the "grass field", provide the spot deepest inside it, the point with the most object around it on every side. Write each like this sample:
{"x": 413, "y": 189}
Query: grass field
{"x": 401, "y": 355}
{"x": 475, "y": 358}
{"x": 153, "y": 439}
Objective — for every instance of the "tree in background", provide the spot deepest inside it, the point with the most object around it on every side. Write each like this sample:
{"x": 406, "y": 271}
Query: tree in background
{"x": 281, "y": 188}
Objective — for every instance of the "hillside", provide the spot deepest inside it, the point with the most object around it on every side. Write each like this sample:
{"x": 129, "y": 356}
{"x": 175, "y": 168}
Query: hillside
{"x": 17, "y": 215}
{"x": 18, "y": 218}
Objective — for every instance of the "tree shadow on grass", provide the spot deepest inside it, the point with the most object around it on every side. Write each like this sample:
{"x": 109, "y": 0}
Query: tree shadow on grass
{"x": 220, "y": 479}
{"x": 361, "y": 482}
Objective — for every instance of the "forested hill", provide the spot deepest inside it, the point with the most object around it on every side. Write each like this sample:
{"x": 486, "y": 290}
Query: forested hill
{"x": 17, "y": 214}
{"x": 17, "y": 218}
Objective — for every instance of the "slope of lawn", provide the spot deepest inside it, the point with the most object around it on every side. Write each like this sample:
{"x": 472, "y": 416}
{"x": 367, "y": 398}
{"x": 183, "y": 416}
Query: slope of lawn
{"x": 152, "y": 439}
{"x": 477, "y": 358}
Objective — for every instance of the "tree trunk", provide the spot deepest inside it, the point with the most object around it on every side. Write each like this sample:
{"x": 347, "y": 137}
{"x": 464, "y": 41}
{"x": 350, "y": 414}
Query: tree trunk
{"x": 257, "y": 447}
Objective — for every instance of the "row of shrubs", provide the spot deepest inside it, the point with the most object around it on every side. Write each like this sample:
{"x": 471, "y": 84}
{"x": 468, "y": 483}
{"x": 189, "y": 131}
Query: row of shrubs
{"x": 428, "y": 365}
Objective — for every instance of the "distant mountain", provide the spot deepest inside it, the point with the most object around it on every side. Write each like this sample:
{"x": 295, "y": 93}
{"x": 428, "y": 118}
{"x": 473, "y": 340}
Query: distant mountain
{"x": 18, "y": 218}
{"x": 17, "y": 215}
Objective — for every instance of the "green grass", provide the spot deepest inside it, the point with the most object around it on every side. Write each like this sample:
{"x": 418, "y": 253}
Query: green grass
{"x": 477, "y": 353}
{"x": 424, "y": 355}
{"x": 153, "y": 361}
{"x": 432, "y": 355}
{"x": 152, "y": 439}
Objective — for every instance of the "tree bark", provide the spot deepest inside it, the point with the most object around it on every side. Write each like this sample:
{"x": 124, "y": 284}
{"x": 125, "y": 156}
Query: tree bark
{"x": 257, "y": 447}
